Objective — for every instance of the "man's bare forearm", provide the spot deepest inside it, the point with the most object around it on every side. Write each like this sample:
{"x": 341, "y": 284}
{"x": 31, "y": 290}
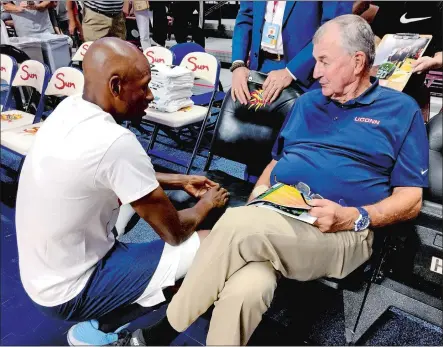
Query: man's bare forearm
{"x": 45, "y": 5}
{"x": 70, "y": 10}
{"x": 191, "y": 218}
{"x": 404, "y": 204}
{"x": 11, "y": 8}
{"x": 170, "y": 181}
{"x": 265, "y": 178}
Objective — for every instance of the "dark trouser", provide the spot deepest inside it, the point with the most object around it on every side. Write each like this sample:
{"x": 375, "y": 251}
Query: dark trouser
{"x": 160, "y": 22}
{"x": 183, "y": 15}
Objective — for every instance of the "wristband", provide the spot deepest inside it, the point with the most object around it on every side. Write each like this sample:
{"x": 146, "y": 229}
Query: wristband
{"x": 236, "y": 65}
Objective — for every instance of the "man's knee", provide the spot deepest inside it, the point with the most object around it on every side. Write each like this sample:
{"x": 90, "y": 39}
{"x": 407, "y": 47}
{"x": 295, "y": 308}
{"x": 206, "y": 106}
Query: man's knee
{"x": 256, "y": 290}
{"x": 236, "y": 221}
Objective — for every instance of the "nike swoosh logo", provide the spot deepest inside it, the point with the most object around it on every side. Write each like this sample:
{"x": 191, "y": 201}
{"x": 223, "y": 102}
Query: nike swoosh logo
{"x": 424, "y": 171}
{"x": 405, "y": 20}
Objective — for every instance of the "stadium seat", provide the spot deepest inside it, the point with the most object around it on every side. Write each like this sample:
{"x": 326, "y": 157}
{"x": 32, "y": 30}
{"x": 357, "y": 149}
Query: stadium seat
{"x": 195, "y": 114}
{"x": 77, "y": 59}
{"x": 159, "y": 55}
{"x": 30, "y": 74}
{"x": 8, "y": 69}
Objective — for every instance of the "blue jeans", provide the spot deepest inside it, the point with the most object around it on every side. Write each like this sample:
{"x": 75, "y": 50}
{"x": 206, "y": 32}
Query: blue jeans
{"x": 119, "y": 279}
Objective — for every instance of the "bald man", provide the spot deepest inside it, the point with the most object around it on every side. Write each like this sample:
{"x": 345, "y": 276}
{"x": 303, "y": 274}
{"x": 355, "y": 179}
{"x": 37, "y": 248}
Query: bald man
{"x": 82, "y": 167}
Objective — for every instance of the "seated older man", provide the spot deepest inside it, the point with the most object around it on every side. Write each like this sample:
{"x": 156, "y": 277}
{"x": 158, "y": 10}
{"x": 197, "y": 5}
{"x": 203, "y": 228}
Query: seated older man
{"x": 81, "y": 168}
{"x": 351, "y": 141}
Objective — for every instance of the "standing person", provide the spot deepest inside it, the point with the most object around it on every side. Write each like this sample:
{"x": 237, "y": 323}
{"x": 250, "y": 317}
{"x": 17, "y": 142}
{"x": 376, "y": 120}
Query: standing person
{"x": 183, "y": 13}
{"x": 81, "y": 168}
{"x": 30, "y": 17}
{"x": 142, "y": 15}
{"x": 75, "y": 26}
{"x": 418, "y": 17}
{"x": 62, "y": 17}
{"x": 160, "y": 21}
{"x": 103, "y": 18}
{"x": 275, "y": 37}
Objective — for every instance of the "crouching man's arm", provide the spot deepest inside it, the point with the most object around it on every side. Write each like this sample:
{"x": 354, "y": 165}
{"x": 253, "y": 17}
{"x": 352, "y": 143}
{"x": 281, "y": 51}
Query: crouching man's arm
{"x": 174, "y": 226}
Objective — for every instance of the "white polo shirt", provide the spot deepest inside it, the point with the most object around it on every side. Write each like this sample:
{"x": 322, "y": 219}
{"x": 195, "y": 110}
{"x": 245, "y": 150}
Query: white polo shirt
{"x": 81, "y": 164}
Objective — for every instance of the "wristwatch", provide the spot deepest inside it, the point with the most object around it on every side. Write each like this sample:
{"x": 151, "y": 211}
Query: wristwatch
{"x": 363, "y": 220}
{"x": 236, "y": 64}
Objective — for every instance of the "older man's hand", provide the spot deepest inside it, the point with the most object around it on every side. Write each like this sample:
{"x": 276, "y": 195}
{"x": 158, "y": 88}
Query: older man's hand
{"x": 276, "y": 81}
{"x": 331, "y": 217}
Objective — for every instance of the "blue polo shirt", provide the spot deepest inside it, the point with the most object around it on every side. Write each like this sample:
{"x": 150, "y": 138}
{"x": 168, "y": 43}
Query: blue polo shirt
{"x": 357, "y": 151}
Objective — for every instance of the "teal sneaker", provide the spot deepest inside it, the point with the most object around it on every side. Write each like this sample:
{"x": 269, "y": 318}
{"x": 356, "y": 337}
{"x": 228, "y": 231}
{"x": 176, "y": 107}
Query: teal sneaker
{"x": 88, "y": 334}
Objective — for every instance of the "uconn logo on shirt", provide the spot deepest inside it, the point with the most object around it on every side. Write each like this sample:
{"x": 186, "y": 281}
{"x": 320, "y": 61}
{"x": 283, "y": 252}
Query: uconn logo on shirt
{"x": 367, "y": 120}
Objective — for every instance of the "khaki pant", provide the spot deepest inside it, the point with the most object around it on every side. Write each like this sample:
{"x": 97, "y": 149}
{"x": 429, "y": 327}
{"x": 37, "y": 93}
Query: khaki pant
{"x": 236, "y": 269}
{"x": 96, "y": 25}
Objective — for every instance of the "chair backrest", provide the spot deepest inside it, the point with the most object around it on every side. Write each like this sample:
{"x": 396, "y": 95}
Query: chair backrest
{"x": 34, "y": 74}
{"x": 4, "y": 33}
{"x": 8, "y": 68}
{"x": 204, "y": 65}
{"x": 182, "y": 49}
{"x": 434, "y": 192}
{"x": 247, "y": 133}
{"x": 19, "y": 55}
{"x": 159, "y": 55}
{"x": 66, "y": 81}
{"x": 81, "y": 51}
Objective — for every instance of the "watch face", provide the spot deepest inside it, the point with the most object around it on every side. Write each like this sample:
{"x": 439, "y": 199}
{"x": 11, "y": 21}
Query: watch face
{"x": 363, "y": 223}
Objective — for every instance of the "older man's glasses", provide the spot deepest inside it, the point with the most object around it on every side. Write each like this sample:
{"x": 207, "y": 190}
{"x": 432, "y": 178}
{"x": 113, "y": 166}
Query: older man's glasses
{"x": 304, "y": 190}
{"x": 306, "y": 193}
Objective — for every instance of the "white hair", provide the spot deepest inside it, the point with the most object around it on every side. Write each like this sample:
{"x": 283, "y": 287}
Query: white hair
{"x": 356, "y": 35}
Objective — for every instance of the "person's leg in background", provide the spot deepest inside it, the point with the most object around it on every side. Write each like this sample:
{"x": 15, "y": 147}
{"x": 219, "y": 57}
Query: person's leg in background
{"x": 160, "y": 22}
{"x": 118, "y": 27}
{"x": 95, "y": 25}
{"x": 198, "y": 34}
{"x": 182, "y": 13}
{"x": 142, "y": 18}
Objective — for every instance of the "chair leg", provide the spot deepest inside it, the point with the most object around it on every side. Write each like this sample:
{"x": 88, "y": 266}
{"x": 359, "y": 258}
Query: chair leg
{"x": 353, "y": 303}
{"x": 208, "y": 161}
{"x": 199, "y": 139}
{"x": 153, "y": 137}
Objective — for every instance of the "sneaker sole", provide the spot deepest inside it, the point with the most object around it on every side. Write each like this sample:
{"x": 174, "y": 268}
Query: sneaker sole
{"x": 73, "y": 342}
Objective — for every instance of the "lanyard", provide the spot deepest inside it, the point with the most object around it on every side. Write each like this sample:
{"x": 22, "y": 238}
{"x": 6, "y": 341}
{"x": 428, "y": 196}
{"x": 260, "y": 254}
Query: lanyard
{"x": 273, "y": 11}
